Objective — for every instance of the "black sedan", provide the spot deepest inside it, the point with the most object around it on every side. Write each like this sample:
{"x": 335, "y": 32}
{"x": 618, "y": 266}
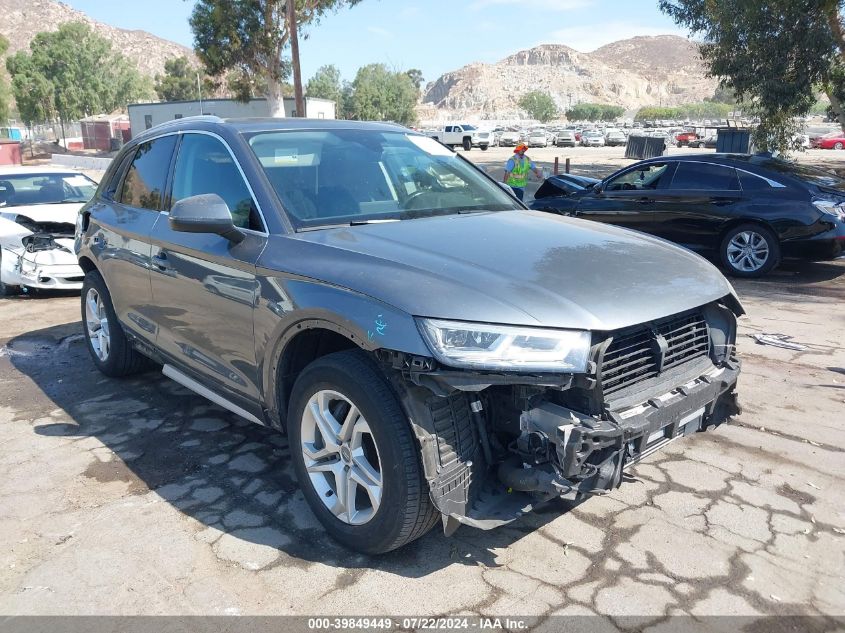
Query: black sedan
{"x": 752, "y": 210}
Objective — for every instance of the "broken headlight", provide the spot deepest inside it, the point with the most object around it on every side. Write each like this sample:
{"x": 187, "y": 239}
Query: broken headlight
{"x": 505, "y": 347}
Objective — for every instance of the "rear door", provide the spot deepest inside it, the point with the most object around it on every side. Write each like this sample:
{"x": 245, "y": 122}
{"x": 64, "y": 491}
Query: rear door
{"x": 122, "y": 220}
{"x": 629, "y": 199}
{"x": 699, "y": 200}
{"x": 204, "y": 286}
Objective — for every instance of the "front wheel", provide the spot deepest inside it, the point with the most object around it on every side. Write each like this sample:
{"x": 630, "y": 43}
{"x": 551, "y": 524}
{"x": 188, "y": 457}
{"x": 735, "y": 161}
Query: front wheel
{"x": 467, "y": 144}
{"x": 750, "y": 250}
{"x": 838, "y": 146}
{"x": 484, "y": 148}
{"x": 108, "y": 345}
{"x": 355, "y": 455}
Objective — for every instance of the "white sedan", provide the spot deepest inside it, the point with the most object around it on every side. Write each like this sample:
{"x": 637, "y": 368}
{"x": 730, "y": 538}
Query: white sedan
{"x": 38, "y": 209}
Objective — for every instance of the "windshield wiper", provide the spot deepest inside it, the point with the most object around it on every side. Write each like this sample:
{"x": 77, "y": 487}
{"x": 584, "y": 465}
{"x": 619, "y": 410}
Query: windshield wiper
{"x": 343, "y": 225}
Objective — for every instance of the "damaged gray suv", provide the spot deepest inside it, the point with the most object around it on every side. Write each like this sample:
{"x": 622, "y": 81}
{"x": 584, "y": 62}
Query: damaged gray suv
{"x": 433, "y": 350}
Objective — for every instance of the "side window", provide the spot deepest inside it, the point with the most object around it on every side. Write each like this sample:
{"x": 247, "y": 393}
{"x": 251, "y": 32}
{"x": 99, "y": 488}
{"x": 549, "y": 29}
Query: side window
{"x": 704, "y": 176}
{"x": 646, "y": 177}
{"x": 750, "y": 182}
{"x": 148, "y": 121}
{"x": 204, "y": 165}
{"x": 110, "y": 184}
{"x": 458, "y": 128}
{"x": 145, "y": 180}
{"x": 448, "y": 128}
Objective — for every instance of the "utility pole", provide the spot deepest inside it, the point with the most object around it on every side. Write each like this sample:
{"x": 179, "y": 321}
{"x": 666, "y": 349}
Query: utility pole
{"x": 294, "y": 54}
{"x": 199, "y": 91}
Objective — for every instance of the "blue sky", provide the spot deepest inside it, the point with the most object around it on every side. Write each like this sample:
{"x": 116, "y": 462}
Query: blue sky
{"x": 435, "y": 36}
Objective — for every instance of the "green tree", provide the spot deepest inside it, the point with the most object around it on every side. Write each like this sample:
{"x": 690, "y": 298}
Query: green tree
{"x": 378, "y": 94}
{"x": 4, "y": 87}
{"x": 248, "y": 37}
{"x": 71, "y": 73}
{"x": 773, "y": 54}
{"x": 539, "y": 105}
{"x": 594, "y": 112}
{"x": 325, "y": 84}
{"x": 416, "y": 77}
{"x": 181, "y": 81}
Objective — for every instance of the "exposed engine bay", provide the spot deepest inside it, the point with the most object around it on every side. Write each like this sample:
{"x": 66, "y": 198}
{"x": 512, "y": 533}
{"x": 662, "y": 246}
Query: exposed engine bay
{"x": 37, "y": 254}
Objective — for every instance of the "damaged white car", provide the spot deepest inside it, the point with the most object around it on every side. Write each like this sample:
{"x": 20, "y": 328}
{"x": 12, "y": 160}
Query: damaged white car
{"x": 38, "y": 209}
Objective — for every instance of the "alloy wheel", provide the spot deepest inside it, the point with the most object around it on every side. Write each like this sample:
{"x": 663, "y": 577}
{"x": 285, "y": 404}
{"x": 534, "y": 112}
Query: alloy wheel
{"x": 748, "y": 251}
{"x": 341, "y": 457}
{"x": 97, "y": 324}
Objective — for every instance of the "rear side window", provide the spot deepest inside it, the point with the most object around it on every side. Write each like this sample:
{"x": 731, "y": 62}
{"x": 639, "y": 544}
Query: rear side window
{"x": 750, "y": 182}
{"x": 204, "y": 165}
{"x": 704, "y": 176}
{"x": 143, "y": 186}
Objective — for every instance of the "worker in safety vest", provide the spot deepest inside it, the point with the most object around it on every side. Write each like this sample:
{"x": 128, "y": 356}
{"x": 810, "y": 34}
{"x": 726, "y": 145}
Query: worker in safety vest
{"x": 517, "y": 168}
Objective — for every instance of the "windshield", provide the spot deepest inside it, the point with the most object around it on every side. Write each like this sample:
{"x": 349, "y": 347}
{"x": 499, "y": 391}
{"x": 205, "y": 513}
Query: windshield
{"x": 329, "y": 177}
{"x": 46, "y": 188}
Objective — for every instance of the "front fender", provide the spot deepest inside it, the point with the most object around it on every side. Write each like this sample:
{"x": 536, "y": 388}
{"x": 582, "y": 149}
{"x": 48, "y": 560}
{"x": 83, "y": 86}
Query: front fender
{"x": 289, "y": 306}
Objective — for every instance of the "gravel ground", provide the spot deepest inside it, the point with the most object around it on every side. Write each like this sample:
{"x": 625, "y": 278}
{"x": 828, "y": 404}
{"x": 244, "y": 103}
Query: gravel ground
{"x": 137, "y": 497}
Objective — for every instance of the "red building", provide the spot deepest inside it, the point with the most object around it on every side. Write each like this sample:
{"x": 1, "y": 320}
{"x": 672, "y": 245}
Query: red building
{"x": 99, "y": 130}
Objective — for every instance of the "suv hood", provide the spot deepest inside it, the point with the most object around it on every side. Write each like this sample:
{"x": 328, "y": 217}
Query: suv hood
{"x": 519, "y": 267}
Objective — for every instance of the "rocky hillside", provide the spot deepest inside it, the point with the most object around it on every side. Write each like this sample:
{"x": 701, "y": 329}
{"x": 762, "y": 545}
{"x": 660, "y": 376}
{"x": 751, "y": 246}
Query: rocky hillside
{"x": 20, "y": 20}
{"x": 632, "y": 73}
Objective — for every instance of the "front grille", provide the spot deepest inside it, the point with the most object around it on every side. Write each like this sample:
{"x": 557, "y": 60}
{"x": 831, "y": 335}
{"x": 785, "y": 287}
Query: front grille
{"x": 638, "y": 355}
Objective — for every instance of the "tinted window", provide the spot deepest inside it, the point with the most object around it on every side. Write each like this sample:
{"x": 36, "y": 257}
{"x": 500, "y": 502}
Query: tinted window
{"x": 705, "y": 176}
{"x": 144, "y": 184}
{"x": 204, "y": 165}
{"x": 813, "y": 175}
{"x": 645, "y": 177}
{"x": 750, "y": 182}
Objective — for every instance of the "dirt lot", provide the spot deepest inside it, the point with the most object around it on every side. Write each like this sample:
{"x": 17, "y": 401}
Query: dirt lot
{"x": 137, "y": 497}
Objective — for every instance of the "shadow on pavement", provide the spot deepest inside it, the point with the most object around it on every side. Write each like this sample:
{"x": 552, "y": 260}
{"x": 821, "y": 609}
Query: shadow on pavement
{"x": 223, "y": 471}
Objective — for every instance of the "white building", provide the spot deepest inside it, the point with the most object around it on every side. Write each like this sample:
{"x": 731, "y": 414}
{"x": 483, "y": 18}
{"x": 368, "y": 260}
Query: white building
{"x": 143, "y": 116}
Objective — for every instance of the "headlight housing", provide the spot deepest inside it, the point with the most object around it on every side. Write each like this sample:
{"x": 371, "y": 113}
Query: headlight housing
{"x": 831, "y": 207}
{"x": 505, "y": 347}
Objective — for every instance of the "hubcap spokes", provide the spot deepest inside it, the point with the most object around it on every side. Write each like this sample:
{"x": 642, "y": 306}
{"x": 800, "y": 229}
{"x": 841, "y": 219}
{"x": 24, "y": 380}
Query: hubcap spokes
{"x": 97, "y": 324}
{"x": 748, "y": 251}
{"x": 341, "y": 457}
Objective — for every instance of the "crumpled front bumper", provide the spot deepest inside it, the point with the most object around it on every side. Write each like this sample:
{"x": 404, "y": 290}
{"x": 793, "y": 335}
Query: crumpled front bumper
{"x": 588, "y": 455}
{"x": 46, "y": 269}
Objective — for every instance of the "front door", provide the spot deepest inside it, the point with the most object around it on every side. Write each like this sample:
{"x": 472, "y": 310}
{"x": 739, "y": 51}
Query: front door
{"x": 629, "y": 199}
{"x": 204, "y": 286}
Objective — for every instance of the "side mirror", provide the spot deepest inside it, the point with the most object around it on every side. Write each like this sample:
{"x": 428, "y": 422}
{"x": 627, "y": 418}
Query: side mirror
{"x": 205, "y": 213}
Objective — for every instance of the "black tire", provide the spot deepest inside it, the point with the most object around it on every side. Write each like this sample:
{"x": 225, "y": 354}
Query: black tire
{"x": 121, "y": 359}
{"x": 405, "y": 512}
{"x": 838, "y": 146}
{"x": 772, "y": 244}
{"x": 8, "y": 290}
{"x": 467, "y": 144}
{"x": 484, "y": 148}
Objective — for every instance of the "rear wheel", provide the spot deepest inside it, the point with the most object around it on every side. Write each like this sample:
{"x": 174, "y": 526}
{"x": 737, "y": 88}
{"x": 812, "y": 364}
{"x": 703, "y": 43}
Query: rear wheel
{"x": 484, "y": 148}
{"x": 750, "y": 250}
{"x": 355, "y": 455}
{"x": 108, "y": 345}
{"x": 838, "y": 146}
